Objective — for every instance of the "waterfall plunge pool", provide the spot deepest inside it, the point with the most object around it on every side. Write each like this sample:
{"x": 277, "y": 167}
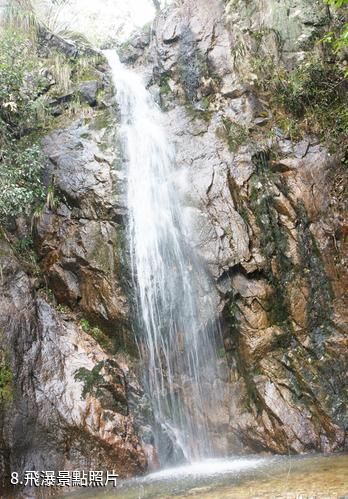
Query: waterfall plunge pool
{"x": 290, "y": 477}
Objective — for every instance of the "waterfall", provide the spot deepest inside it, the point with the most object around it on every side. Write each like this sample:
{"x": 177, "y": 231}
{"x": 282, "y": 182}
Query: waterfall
{"x": 177, "y": 325}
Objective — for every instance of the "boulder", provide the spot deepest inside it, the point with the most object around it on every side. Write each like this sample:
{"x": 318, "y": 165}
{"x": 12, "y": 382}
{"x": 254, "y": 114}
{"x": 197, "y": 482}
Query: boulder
{"x": 88, "y": 91}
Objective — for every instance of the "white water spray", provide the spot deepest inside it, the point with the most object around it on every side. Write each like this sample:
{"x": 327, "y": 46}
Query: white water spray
{"x": 177, "y": 344}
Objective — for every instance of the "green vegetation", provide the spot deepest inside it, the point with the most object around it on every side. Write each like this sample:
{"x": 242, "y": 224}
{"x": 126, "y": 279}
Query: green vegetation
{"x": 63, "y": 309}
{"x": 337, "y": 3}
{"x": 221, "y": 353}
{"x": 238, "y": 52}
{"x": 234, "y": 133}
{"x": 20, "y": 181}
{"x": 25, "y": 252}
{"x": 34, "y": 89}
{"x": 105, "y": 382}
{"x": 311, "y": 97}
{"x": 22, "y": 108}
{"x": 6, "y": 376}
{"x": 260, "y": 34}
{"x": 84, "y": 67}
{"x": 33, "y": 17}
{"x": 164, "y": 85}
{"x": 231, "y": 335}
{"x": 273, "y": 237}
{"x": 232, "y": 317}
{"x": 6, "y": 380}
{"x": 315, "y": 92}
{"x": 21, "y": 83}
{"x": 319, "y": 308}
{"x": 338, "y": 39}
{"x": 280, "y": 270}
{"x": 97, "y": 334}
{"x": 91, "y": 379}
{"x": 199, "y": 113}
{"x": 21, "y": 16}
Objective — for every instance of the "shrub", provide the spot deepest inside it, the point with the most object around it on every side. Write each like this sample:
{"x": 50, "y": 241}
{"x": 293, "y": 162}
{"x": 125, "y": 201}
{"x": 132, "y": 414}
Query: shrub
{"x": 311, "y": 84}
{"x": 6, "y": 379}
{"x": 20, "y": 181}
{"x": 337, "y": 3}
{"x": 234, "y": 133}
{"x": 91, "y": 379}
{"x": 21, "y": 112}
{"x": 21, "y": 83}
{"x": 339, "y": 39}
{"x": 310, "y": 98}
{"x": 316, "y": 92}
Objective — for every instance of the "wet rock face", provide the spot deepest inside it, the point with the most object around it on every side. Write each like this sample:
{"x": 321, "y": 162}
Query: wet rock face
{"x": 80, "y": 240}
{"x": 75, "y": 400}
{"x": 89, "y": 91}
{"x": 131, "y": 50}
{"x": 58, "y": 419}
{"x": 268, "y": 217}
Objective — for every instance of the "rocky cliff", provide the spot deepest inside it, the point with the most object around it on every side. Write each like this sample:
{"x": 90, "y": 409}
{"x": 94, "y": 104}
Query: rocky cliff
{"x": 267, "y": 199}
{"x": 70, "y": 391}
{"x": 265, "y": 189}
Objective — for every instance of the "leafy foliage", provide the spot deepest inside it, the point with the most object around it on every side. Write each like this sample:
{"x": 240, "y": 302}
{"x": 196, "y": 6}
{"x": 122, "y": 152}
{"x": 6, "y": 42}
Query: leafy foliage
{"x": 338, "y": 41}
{"x": 25, "y": 252}
{"x": 97, "y": 334}
{"x": 21, "y": 82}
{"x": 29, "y": 81}
{"x": 20, "y": 182}
{"x": 6, "y": 379}
{"x": 234, "y": 133}
{"x": 315, "y": 87}
{"x": 20, "y": 14}
{"x": 91, "y": 379}
{"x": 21, "y": 107}
{"x": 337, "y": 3}
{"x": 310, "y": 98}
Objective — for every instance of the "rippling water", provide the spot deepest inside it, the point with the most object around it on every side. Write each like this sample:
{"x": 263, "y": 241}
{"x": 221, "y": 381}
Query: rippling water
{"x": 305, "y": 477}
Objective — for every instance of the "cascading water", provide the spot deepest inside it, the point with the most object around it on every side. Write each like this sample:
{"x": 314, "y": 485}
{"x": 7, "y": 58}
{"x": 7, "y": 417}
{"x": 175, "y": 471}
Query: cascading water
{"x": 177, "y": 344}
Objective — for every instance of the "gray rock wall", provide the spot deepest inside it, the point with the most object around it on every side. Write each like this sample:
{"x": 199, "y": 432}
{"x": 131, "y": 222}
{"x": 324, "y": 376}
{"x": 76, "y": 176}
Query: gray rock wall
{"x": 267, "y": 214}
{"x": 48, "y": 424}
{"x": 268, "y": 217}
{"x": 74, "y": 400}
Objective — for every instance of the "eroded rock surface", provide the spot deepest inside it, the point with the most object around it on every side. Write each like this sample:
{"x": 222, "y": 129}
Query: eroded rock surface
{"x": 81, "y": 240}
{"x": 56, "y": 420}
{"x": 268, "y": 219}
{"x": 69, "y": 383}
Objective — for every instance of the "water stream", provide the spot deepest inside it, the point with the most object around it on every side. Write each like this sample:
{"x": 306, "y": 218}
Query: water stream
{"x": 254, "y": 477}
{"x": 177, "y": 324}
{"x": 177, "y": 333}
